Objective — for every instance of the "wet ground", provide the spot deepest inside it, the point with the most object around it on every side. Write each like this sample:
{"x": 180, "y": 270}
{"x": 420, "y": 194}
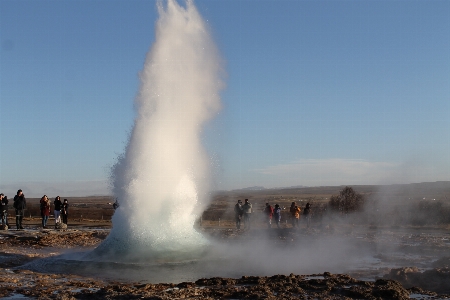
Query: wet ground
{"x": 347, "y": 262}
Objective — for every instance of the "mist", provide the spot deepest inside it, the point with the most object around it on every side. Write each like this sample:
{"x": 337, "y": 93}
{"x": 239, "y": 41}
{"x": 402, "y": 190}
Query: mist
{"x": 162, "y": 179}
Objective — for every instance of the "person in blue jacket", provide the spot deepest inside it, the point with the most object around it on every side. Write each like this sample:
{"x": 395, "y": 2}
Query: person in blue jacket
{"x": 277, "y": 214}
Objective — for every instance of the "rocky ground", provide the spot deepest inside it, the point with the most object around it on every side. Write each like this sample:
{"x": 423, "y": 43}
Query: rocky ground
{"x": 20, "y": 247}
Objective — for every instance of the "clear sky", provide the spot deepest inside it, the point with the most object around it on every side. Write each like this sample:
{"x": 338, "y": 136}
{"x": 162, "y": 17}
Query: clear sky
{"x": 317, "y": 92}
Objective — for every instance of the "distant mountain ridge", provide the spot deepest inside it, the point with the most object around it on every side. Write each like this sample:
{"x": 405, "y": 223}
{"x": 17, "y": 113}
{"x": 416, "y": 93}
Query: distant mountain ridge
{"x": 252, "y": 188}
{"x": 417, "y": 188}
{"x": 261, "y": 188}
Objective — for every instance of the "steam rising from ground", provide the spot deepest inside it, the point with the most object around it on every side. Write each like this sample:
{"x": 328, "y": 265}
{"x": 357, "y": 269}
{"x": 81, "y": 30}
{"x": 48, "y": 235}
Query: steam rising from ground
{"x": 161, "y": 179}
{"x": 162, "y": 176}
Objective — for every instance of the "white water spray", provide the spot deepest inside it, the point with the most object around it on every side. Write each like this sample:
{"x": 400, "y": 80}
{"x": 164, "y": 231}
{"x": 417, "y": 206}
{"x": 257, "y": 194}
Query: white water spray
{"x": 163, "y": 174}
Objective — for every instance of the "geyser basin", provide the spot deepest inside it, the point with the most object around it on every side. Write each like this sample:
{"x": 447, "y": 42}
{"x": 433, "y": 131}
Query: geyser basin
{"x": 161, "y": 180}
{"x": 364, "y": 254}
{"x": 169, "y": 236}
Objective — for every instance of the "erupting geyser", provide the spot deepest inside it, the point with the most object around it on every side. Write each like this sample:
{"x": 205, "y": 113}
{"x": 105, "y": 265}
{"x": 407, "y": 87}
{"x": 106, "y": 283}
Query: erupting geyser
{"x": 163, "y": 174}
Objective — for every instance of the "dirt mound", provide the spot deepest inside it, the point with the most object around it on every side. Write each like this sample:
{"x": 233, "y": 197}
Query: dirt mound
{"x": 23, "y": 246}
{"x": 319, "y": 286}
{"x": 437, "y": 280}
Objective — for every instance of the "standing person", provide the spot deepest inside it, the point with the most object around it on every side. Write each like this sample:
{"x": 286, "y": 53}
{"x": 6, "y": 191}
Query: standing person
{"x": 20, "y": 203}
{"x": 268, "y": 210}
{"x": 116, "y": 204}
{"x": 45, "y": 210}
{"x": 307, "y": 214}
{"x": 65, "y": 211}
{"x": 292, "y": 213}
{"x": 4, "y": 210}
{"x": 247, "y": 212}
{"x": 295, "y": 214}
{"x": 277, "y": 214}
{"x": 57, "y": 210}
{"x": 238, "y": 213}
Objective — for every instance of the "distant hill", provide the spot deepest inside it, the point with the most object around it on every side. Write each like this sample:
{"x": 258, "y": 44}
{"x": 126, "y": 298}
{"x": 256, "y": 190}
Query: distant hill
{"x": 439, "y": 190}
{"x": 293, "y": 187}
{"x": 252, "y": 188}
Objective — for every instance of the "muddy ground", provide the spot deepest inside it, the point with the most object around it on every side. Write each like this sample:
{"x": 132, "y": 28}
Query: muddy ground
{"x": 20, "y": 247}
{"x": 418, "y": 269}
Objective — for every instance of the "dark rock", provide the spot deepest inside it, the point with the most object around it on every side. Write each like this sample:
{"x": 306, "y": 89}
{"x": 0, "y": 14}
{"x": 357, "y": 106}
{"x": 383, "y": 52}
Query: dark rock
{"x": 389, "y": 289}
{"x": 436, "y": 280}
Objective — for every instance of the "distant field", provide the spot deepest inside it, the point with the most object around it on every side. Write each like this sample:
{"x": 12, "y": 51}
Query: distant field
{"x": 87, "y": 208}
{"x": 99, "y": 208}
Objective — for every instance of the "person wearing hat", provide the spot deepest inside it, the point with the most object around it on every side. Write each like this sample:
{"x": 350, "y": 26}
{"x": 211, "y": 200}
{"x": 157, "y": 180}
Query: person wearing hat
{"x": 20, "y": 203}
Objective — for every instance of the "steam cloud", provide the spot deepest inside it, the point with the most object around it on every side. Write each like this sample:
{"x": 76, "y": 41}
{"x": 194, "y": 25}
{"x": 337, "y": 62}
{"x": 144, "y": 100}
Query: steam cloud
{"x": 163, "y": 175}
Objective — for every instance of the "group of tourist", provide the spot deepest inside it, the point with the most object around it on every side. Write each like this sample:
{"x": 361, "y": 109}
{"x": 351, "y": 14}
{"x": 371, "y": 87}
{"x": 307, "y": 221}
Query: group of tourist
{"x": 296, "y": 211}
{"x": 61, "y": 210}
{"x": 243, "y": 214}
{"x": 20, "y": 203}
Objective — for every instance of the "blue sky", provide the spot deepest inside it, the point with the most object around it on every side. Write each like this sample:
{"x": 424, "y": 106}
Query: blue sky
{"x": 317, "y": 92}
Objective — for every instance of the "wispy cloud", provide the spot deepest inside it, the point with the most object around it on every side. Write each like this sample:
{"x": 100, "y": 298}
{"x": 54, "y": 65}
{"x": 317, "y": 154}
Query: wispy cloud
{"x": 337, "y": 171}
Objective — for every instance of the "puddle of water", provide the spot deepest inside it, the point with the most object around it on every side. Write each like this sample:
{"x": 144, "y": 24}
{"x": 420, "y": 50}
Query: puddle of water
{"x": 420, "y": 296}
{"x": 314, "y": 277}
{"x": 93, "y": 290}
{"x": 16, "y": 296}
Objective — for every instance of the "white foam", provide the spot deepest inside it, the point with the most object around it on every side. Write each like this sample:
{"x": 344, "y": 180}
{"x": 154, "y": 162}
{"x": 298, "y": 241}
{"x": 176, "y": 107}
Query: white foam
{"x": 161, "y": 180}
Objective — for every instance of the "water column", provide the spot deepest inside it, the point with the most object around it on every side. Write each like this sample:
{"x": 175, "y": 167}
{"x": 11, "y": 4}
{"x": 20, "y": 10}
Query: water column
{"x": 163, "y": 173}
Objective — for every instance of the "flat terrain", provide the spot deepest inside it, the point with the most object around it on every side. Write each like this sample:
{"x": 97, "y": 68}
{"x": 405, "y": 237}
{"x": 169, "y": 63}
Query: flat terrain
{"x": 404, "y": 260}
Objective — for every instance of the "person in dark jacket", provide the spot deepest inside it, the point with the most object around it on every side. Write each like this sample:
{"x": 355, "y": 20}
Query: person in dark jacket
{"x": 307, "y": 213}
{"x": 116, "y": 204}
{"x": 4, "y": 209}
{"x": 277, "y": 214}
{"x": 20, "y": 203}
{"x": 57, "y": 210}
{"x": 238, "y": 213}
{"x": 65, "y": 211}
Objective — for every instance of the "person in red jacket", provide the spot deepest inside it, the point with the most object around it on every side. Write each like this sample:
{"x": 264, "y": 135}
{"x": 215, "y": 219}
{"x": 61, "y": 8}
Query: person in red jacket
{"x": 45, "y": 210}
{"x": 268, "y": 210}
